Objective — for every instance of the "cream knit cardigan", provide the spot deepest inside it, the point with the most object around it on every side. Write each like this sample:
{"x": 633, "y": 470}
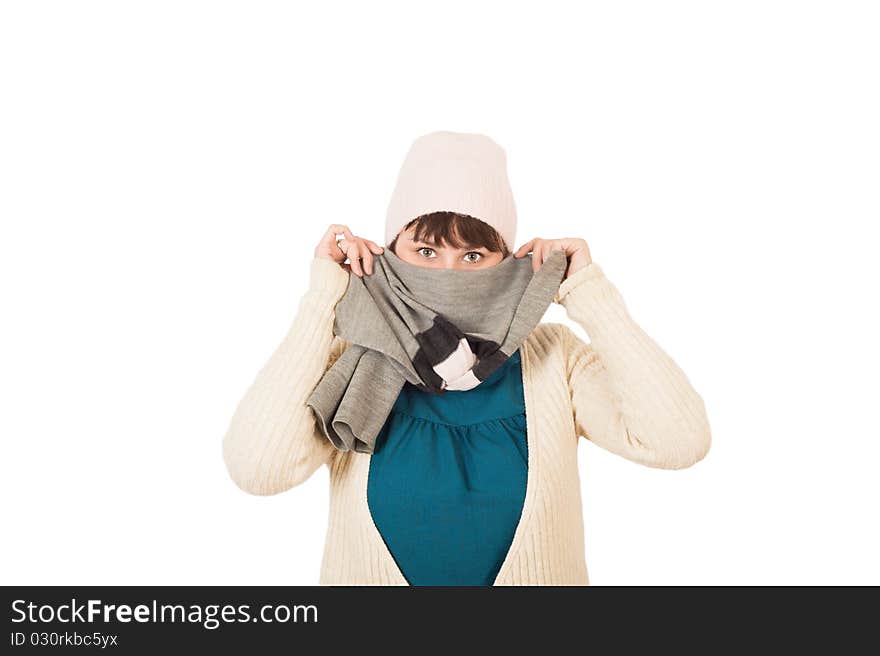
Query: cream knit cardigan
{"x": 621, "y": 391}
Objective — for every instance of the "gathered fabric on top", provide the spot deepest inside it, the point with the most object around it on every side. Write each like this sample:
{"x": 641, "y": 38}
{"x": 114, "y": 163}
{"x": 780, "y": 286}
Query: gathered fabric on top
{"x": 447, "y": 479}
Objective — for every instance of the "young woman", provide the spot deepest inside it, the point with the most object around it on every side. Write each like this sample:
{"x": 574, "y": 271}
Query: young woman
{"x": 477, "y": 485}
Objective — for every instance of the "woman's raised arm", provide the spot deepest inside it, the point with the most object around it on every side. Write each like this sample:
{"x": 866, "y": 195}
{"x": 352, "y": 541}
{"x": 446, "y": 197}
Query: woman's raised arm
{"x": 628, "y": 395}
{"x": 273, "y": 442}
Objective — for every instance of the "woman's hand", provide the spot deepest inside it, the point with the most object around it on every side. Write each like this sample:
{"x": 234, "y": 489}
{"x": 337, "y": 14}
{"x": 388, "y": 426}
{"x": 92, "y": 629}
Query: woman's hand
{"x": 576, "y": 250}
{"x": 351, "y": 247}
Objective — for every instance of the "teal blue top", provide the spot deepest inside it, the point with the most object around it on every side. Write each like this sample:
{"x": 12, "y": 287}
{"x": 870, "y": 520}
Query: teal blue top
{"x": 447, "y": 479}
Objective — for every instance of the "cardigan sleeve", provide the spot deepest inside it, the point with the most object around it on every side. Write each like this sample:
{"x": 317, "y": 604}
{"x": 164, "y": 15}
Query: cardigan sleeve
{"x": 273, "y": 441}
{"x": 627, "y": 394}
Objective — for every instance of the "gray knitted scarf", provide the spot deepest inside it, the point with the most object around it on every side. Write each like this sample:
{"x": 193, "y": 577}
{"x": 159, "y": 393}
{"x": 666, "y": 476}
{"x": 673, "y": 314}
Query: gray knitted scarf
{"x": 438, "y": 329}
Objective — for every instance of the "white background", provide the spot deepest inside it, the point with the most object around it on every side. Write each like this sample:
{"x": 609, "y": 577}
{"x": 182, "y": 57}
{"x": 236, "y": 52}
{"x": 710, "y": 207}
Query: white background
{"x": 167, "y": 169}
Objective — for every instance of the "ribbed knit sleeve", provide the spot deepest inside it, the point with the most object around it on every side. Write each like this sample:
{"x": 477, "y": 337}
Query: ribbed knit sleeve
{"x": 273, "y": 442}
{"x": 628, "y": 395}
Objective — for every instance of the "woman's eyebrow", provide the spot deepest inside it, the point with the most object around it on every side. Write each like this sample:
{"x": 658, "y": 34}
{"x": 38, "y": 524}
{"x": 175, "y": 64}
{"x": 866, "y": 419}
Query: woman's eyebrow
{"x": 433, "y": 245}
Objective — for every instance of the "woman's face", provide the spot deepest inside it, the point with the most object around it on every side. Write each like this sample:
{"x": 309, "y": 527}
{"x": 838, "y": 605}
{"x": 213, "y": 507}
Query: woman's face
{"x": 437, "y": 256}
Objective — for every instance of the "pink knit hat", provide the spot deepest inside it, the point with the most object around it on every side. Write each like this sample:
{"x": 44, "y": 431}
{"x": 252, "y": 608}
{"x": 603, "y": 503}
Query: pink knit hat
{"x": 453, "y": 172}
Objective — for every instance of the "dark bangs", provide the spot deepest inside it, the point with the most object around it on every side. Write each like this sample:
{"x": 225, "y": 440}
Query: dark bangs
{"x": 456, "y": 230}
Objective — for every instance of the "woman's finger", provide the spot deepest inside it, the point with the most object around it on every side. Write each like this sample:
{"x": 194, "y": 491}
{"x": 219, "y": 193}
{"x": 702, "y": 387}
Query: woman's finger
{"x": 341, "y": 228}
{"x": 546, "y": 250}
{"x": 337, "y": 229}
{"x": 374, "y": 247}
{"x": 525, "y": 248}
{"x": 343, "y": 245}
{"x": 329, "y": 246}
{"x": 334, "y": 230}
{"x": 367, "y": 256}
{"x": 537, "y": 254}
{"x": 354, "y": 257}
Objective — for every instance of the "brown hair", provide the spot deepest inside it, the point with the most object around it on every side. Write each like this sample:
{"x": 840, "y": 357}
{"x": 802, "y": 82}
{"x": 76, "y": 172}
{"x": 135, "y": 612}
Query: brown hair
{"x": 456, "y": 230}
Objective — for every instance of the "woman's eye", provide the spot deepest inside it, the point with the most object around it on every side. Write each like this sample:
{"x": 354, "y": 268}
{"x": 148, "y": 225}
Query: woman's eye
{"x": 477, "y": 259}
{"x": 425, "y": 248}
